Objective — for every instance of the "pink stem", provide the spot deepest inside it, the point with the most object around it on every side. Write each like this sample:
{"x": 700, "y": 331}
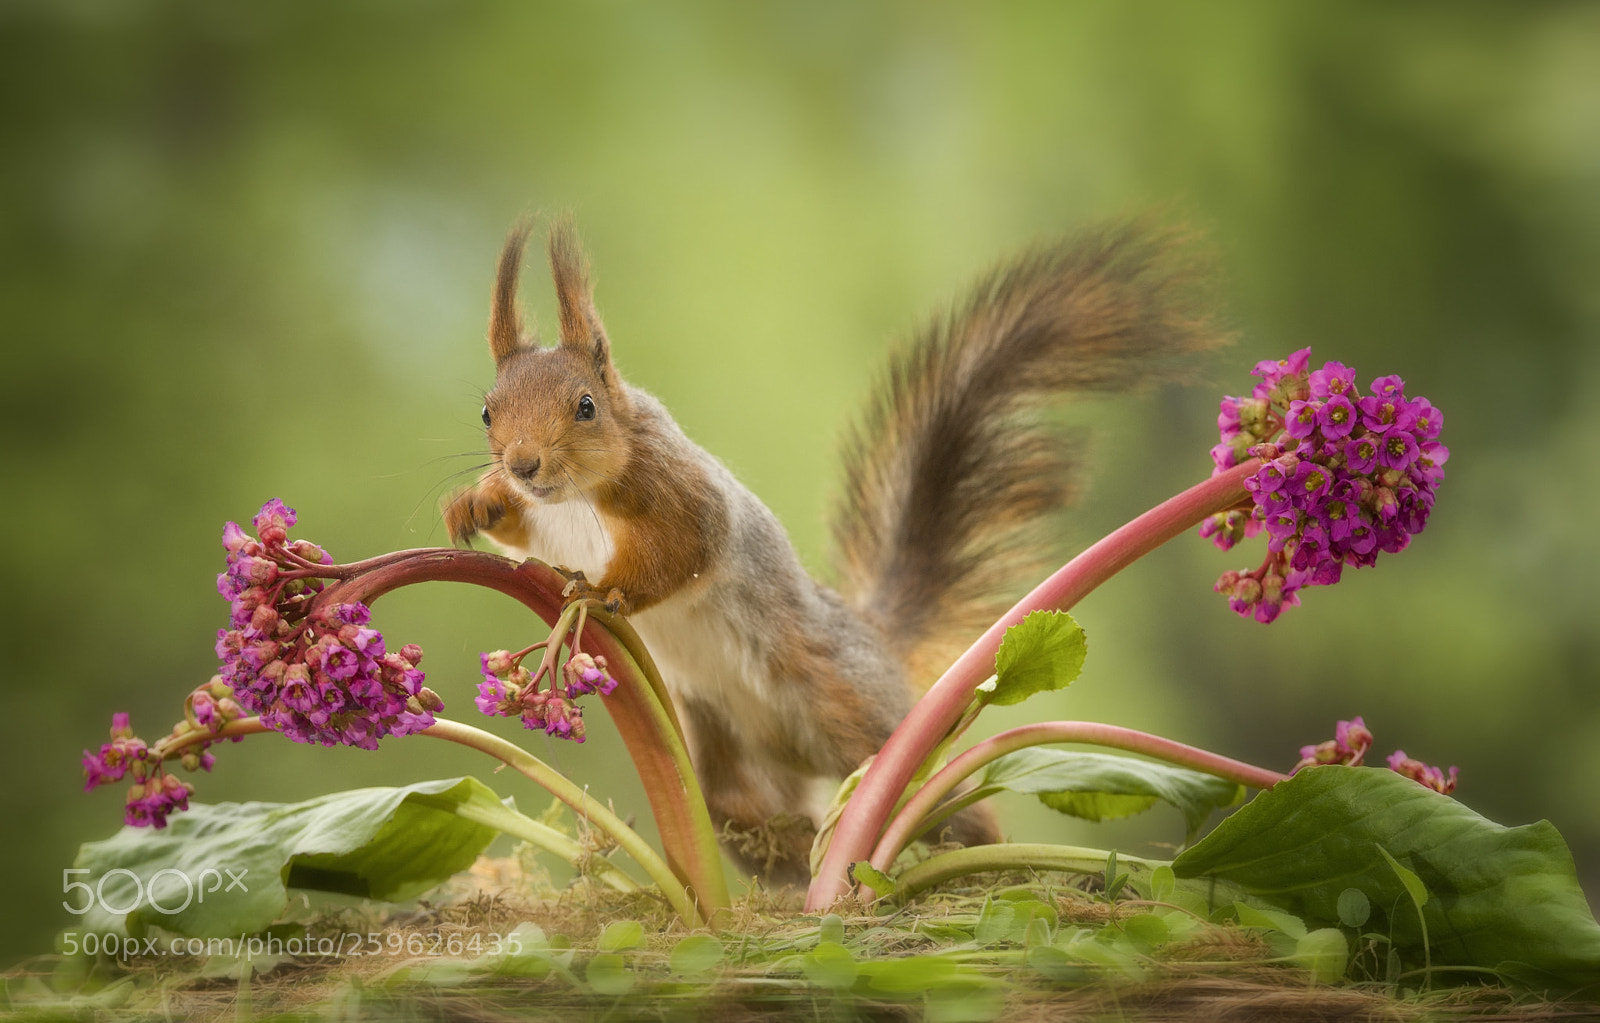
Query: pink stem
{"x": 904, "y": 826}
{"x": 933, "y": 716}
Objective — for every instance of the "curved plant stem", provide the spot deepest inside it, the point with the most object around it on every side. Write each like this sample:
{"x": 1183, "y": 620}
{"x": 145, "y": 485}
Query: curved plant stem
{"x": 583, "y": 805}
{"x": 976, "y": 859}
{"x": 640, "y": 705}
{"x": 541, "y": 836}
{"x": 933, "y": 716}
{"x": 904, "y": 827}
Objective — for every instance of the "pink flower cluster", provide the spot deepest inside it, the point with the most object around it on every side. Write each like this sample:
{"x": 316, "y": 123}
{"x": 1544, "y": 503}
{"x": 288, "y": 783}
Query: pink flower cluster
{"x": 1349, "y": 745}
{"x": 1346, "y": 476}
{"x": 510, "y": 690}
{"x": 1424, "y": 774}
{"x": 154, "y": 794}
{"x": 318, "y": 674}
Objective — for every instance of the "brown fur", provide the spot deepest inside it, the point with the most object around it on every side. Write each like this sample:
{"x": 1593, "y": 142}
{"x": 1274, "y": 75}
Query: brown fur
{"x": 952, "y": 476}
{"x": 505, "y": 315}
{"x": 743, "y": 801}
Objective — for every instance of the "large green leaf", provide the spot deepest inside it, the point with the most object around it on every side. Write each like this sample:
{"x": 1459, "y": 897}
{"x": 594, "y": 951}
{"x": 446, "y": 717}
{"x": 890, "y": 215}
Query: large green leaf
{"x": 1044, "y": 651}
{"x": 1099, "y": 786}
{"x": 1501, "y": 898}
{"x": 224, "y": 869}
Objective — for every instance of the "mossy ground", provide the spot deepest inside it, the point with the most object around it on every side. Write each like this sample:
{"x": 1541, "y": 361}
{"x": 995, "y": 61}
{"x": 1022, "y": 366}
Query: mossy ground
{"x": 1002, "y": 948}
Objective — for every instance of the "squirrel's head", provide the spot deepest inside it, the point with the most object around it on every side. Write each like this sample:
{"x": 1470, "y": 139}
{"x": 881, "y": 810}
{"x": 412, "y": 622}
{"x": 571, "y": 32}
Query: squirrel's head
{"x": 556, "y": 417}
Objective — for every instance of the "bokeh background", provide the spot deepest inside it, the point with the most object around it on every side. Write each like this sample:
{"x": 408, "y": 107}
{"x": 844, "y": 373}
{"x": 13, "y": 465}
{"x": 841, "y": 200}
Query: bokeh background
{"x": 247, "y": 247}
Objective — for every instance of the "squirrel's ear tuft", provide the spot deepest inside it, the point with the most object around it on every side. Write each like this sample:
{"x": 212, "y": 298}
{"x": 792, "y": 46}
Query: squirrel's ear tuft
{"x": 505, "y": 314}
{"x": 580, "y": 324}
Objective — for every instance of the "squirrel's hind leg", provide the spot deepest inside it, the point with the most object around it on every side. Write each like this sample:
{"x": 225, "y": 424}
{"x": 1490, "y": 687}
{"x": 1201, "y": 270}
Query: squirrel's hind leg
{"x": 754, "y": 809}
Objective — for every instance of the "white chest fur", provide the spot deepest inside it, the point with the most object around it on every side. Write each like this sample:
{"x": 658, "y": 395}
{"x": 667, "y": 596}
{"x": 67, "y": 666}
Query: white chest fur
{"x": 694, "y": 638}
{"x": 571, "y": 534}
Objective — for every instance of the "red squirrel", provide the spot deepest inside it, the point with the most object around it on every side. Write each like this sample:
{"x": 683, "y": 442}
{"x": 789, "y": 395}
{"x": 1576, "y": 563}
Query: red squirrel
{"x": 949, "y": 483}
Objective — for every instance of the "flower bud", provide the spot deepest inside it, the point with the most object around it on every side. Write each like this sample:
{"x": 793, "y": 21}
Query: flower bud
{"x": 311, "y": 552}
{"x": 495, "y": 662}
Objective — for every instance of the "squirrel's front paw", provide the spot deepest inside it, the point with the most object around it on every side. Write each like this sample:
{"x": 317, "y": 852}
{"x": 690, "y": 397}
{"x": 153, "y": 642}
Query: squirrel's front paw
{"x": 578, "y": 588}
{"x": 469, "y": 511}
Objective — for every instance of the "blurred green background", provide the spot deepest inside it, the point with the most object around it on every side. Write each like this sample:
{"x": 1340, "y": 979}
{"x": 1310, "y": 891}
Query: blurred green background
{"x": 247, "y": 250}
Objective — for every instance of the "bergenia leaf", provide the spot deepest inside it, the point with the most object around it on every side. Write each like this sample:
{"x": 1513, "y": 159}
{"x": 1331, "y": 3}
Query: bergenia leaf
{"x": 225, "y": 869}
{"x": 1504, "y": 899}
{"x": 1099, "y": 786}
{"x": 1045, "y": 651}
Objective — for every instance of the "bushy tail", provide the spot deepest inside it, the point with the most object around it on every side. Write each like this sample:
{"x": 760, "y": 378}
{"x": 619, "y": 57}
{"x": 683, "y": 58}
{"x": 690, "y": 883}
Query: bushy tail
{"x": 952, "y": 475}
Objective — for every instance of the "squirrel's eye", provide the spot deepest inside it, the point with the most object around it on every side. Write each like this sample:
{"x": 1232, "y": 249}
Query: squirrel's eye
{"x": 486, "y": 415}
{"x": 585, "y": 408}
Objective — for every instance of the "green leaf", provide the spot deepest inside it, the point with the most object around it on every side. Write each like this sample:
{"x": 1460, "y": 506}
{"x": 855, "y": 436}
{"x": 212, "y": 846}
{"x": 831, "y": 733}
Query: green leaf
{"x": 225, "y": 869}
{"x": 912, "y": 975}
{"x": 1505, "y": 899}
{"x": 1037, "y": 932}
{"x": 1271, "y": 919}
{"x": 1044, "y": 651}
{"x": 1055, "y": 965}
{"x": 1325, "y": 953}
{"x": 865, "y": 873}
{"x": 1414, "y": 886}
{"x": 1099, "y": 786}
{"x": 608, "y": 976}
{"x": 1163, "y": 883}
{"x": 696, "y": 954}
{"x": 1354, "y": 907}
{"x": 970, "y": 999}
{"x": 1147, "y": 930}
{"x": 1028, "y": 907}
{"x": 994, "y": 922}
{"x": 621, "y": 935}
{"x": 830, "y": 965}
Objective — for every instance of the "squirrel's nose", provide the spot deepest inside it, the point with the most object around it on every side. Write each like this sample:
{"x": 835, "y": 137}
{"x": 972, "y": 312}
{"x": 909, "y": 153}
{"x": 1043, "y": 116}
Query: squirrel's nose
{"x": 524, "y": 468}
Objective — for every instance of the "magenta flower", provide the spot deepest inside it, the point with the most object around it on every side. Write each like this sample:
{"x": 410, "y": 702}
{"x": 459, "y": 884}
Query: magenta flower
{"x": 1349, "y": 745}
{"x": 124, "y": 753}
{"x": 1424, "y": 774}
{"x": 492, "y": 697}
{"x": 563, "y": 718}
{"x": 586, "y": 674}
{"x": 1350, "y": 742}
{"x": 272, "y": 523}
{"x": 1345, "y": 476}
{"x": 1337, "y": 417}
{"x": 150, "y": 803}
